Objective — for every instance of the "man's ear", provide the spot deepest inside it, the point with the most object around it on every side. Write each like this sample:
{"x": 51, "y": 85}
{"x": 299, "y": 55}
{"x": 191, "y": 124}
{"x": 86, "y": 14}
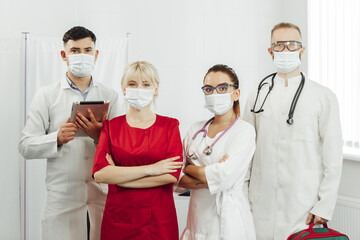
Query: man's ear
{"x": 96, "y": 54}
{"x": 303, "y": 50}
{"x": 271, "y": 52}
{"x": 63, "y": 55}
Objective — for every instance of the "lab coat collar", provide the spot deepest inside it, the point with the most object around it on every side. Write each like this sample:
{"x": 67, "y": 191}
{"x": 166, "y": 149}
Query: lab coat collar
{"x": 65, "y": 84}
{"x": 294, "y": 81}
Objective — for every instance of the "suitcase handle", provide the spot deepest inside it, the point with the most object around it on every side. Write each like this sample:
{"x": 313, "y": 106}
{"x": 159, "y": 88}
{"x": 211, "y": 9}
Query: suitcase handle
{"x": 309, "y": 230}
{"x": 311, "y": 226}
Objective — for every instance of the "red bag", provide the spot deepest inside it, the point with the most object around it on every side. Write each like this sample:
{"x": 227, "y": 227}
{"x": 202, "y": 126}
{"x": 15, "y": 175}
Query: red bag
{"x": 318, "y": 233}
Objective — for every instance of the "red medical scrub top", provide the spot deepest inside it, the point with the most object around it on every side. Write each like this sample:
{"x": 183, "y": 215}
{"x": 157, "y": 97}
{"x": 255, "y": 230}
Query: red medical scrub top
{"x": 145, "y": 213}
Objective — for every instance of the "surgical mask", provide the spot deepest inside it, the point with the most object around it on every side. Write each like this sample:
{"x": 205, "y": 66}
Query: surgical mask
{"x": 81, "y": 65}
{"x": 286, "y": 62}
{"x": 139, "y": 98}
{"x": 218, "y": 104}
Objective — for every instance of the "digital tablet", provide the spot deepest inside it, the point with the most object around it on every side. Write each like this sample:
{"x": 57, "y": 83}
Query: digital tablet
{"x": 98, "y": 108}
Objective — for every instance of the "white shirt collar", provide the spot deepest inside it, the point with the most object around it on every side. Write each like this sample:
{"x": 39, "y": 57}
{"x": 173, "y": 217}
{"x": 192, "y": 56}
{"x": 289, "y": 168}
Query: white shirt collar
{"x": 294, "y": 81}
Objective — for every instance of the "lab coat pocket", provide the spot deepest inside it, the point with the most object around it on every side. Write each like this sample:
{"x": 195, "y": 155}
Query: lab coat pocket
{"x": 304, "y": 129}
{"x": 56, "y": 176}
{"x": 309, "y": 188}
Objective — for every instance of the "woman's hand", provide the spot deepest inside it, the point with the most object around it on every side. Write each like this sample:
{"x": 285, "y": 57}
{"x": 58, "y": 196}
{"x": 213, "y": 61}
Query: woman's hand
{"x": 109, "y": 159}
{"x": 224, "y": 158}
{"x": 168, "y": 165}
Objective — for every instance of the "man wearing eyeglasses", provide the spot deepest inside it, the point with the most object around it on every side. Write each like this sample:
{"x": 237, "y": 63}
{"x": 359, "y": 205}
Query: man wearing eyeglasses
{"x": 296, "y": 169}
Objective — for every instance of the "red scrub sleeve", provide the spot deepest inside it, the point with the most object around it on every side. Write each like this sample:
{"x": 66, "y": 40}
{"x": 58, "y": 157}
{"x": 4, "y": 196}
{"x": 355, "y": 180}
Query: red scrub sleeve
{"x": 102, "y": 148}
{"x": 174, "y": 147}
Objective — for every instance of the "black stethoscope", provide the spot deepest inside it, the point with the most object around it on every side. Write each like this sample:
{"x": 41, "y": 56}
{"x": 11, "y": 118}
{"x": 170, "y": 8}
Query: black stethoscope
{"x": 290, "y": 120}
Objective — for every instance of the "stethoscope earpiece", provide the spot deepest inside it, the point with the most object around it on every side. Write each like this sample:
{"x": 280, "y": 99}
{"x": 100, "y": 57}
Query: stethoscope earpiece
{"x": 290, "y": 121}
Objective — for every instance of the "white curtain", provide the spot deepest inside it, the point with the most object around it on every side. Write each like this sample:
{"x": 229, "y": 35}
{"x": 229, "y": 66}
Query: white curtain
{"x": 10, "y": 98}
{"x": 44, "y": 66}
{"x": 334, "y": 49}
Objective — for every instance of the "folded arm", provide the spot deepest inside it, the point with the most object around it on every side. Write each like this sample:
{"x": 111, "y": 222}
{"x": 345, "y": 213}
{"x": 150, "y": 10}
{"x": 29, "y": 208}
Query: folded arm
{"x": 196, "y": 174}
{"x": 190, "y": 182}
{"x": 117, "y": 175}
{"x": 222, "y": 176}
{"x": 120, "y": 175}
{"x": 150, "y": 181}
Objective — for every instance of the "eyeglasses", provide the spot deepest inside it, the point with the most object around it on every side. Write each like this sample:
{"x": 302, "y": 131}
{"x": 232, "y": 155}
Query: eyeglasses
{"x": 221, "y": 88}
{"x": 290, "y": 45}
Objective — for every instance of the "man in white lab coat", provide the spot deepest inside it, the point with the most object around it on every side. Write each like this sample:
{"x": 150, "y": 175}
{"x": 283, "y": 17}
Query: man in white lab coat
{"x": 296, "y": 168}
{"x": 48, "y": 133}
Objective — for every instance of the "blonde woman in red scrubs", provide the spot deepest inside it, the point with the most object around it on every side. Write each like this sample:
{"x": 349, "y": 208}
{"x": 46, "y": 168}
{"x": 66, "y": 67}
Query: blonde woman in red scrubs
{"x": 139, "y": 155}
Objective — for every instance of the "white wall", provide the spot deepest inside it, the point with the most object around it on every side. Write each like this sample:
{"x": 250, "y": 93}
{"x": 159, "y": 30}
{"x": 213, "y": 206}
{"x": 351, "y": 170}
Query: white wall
{"x": 181, "y": 38}
{"x": 350, "y": 179}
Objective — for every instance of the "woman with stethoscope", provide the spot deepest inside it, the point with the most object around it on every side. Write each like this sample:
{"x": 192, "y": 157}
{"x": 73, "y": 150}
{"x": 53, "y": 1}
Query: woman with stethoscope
{"x": 218, "y": 153}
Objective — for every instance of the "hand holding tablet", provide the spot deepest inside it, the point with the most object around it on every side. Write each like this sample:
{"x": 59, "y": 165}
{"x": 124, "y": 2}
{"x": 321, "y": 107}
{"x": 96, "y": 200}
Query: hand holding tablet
{"x": 98, "y": 108}
{"x": 88, "y": 117}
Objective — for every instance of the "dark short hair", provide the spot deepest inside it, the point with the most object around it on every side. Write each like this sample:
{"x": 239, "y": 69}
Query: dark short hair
{"x": 77, "y": 33}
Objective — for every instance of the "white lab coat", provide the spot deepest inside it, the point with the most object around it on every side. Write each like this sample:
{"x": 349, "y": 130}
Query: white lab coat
{"x": 70, "y": 187}
{"x": 221, "y": 211}
{"x": 296, "y": 168}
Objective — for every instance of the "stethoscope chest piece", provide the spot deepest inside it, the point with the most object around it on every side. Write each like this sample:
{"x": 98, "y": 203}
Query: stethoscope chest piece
{"x": 208, "y": 150}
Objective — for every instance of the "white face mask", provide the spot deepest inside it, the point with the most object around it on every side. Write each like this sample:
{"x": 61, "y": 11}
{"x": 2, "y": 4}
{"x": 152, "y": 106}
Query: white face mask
{"x": 286, "y": 62}
{"x": 139, "y": 98}
{"x": 218, "y": 104}
{"x": 81, "y": 65}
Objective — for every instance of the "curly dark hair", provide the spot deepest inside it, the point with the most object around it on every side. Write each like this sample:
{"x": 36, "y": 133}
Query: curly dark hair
{"x": 77, "y": 33}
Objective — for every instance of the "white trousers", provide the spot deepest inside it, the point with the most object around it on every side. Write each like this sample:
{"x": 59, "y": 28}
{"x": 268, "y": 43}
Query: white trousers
{"x": 65, "y": 212}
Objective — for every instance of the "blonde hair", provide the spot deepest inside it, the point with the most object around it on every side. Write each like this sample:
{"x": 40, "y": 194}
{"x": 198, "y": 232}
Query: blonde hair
{"x": 285, "y": 25}
{"x": 142, "y": 70}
